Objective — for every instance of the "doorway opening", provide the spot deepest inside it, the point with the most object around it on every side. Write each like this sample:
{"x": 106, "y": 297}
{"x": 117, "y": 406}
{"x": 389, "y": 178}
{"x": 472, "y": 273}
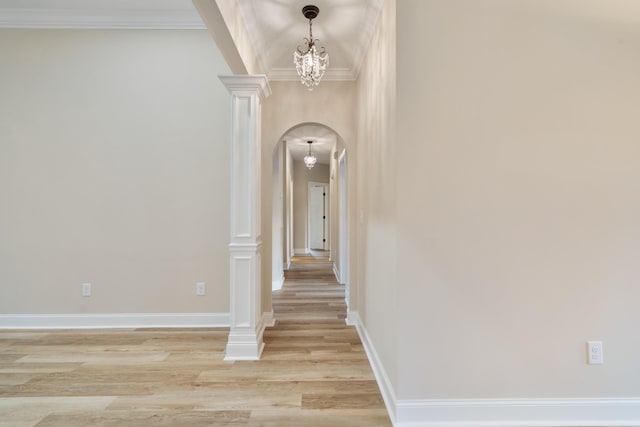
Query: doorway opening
{"x": 310, "y": 206}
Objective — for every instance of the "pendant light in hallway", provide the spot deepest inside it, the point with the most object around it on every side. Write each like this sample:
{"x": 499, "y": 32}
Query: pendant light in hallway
{"x": 310, "y": 62}
{"x": 310, "y": 159}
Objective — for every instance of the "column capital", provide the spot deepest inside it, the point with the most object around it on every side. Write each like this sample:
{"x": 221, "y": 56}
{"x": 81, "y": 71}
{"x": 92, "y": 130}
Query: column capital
{"x": 247, "y": 83}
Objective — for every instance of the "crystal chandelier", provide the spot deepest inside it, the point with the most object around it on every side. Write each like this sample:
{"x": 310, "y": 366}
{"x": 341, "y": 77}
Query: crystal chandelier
{"x": 310, "y": 63}
{"x": 310, "y": 159}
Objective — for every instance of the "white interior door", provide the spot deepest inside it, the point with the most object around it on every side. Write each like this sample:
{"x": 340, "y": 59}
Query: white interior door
{"x": 318, "y": 212}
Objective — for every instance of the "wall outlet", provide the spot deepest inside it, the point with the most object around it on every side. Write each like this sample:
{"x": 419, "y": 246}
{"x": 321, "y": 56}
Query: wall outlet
{"x": 200, "y": 289}
{"x": 86, "y": 289}
{"x": 594, "y": 353}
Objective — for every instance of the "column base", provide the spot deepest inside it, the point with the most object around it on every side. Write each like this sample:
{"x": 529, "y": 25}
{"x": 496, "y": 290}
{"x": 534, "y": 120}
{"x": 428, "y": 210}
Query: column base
{"x": 245, "y": 343}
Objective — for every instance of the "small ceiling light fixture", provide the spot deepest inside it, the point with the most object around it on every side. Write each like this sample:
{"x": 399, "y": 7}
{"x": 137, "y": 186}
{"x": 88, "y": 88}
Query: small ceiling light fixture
{"x": 310, "y": 159}
{"x": 310, "y": 63}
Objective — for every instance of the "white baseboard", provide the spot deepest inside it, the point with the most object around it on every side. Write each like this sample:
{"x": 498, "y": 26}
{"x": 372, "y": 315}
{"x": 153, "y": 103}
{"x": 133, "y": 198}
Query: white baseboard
{"x": 276, "y": 285}
{"x": 353, "y": 318}
{"x": 336, "y": 273}
{"x": 301, "y": 251}
{"x": 247, "y": 343}
{"x": 518, "y": 412}
{"x": 114, "y": 320}
{"x": 386, "y": 388}
{"x": 587, "y": 412}
{"x": 268, "y": 319}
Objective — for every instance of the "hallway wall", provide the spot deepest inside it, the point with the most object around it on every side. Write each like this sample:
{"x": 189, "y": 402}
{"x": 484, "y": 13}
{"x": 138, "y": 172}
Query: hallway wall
{"x": 518, "y": 231}
{"x": 334, "y": 189}
{"x": 114, "y": 170}
{"x": 289, "y": 105}
{"x": 376, "y": 192}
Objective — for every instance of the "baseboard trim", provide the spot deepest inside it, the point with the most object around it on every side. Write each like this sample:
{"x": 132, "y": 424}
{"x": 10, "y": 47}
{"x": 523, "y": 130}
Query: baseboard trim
{"x": 268, "y": 319}
{"x": 518, "y": 412}
{"x": 276, "y": 285}
{"x": 578, "y": 412}
{"x": 352, "y": 319}
{"x": 386, "y": 388}
{"x": 336, "y": 273}
{"x": 301, "y": 251}
{"x": 114, "y": 320}
{"x": 247, "y": 343}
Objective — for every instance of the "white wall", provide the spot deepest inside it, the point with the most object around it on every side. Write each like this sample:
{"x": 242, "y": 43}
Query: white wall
{"x": 114, "y": 170}
{"x": 517, "y": 205}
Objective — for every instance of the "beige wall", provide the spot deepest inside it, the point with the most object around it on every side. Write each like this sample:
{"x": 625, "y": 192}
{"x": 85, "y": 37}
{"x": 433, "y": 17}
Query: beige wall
{"x": 376, "y": 189}
{"x": 287, "y": 216}
{"x": 277, "y": 216}
{"x": 302, "y": 176}
{"x": 517, "y": 204}
{"x": 334, "y": 228}
{"x": 114, "y": 170}
{"x": 332, "y": 104}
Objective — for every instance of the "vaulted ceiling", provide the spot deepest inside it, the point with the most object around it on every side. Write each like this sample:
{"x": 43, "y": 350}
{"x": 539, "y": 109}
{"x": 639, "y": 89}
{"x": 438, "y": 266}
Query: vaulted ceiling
{"x": 277, "y": 27}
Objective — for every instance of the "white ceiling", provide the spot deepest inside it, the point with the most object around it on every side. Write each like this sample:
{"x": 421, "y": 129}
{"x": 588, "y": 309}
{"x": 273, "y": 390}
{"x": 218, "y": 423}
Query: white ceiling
{"x": 324, "y": 139}
{"x": 276, "y": 27}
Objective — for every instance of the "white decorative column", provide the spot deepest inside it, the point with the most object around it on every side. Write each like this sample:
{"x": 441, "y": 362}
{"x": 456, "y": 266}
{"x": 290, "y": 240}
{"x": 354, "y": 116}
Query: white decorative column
{"x": 245, "y": 249}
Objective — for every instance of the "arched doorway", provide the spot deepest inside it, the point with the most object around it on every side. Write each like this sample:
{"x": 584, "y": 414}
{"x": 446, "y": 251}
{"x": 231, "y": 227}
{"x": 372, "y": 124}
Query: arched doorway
{"x": 292, "y": 200}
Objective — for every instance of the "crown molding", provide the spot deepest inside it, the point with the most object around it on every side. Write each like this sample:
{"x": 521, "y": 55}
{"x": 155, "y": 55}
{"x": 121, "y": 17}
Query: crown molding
{"x": 247, "y": 82}
{"x": 332, "y": 74}
{"x": 101, "y": 19}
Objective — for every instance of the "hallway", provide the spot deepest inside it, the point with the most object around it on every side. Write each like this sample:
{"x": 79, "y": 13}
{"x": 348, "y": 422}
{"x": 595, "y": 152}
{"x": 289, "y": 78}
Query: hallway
{"x": 324, "y": 357}
{"x": 310, "y": 291}
{"x": 313, "y": 371}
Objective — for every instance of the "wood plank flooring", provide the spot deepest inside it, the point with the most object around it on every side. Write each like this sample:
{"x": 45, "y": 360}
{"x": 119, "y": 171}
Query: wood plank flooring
{"x": 313, "y": 372}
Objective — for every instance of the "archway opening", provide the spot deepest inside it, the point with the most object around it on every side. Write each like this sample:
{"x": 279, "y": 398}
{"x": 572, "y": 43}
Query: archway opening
{"x": 302, "y": 196}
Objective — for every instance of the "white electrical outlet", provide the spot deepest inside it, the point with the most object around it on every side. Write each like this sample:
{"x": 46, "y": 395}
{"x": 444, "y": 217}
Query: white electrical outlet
{"x": 594, "y": 353}
{"x": 86, "y": 289}
{"x": 200, "y": 289}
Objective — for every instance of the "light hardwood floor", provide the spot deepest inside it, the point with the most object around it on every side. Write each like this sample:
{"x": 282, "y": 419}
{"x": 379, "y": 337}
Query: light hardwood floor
{"x": 313, "y": 371}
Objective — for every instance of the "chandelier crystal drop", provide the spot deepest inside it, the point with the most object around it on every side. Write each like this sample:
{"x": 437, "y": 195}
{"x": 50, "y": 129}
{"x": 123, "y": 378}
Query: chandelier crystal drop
{"x": 310, "y": 61}
{"x": 310, "y": 159}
